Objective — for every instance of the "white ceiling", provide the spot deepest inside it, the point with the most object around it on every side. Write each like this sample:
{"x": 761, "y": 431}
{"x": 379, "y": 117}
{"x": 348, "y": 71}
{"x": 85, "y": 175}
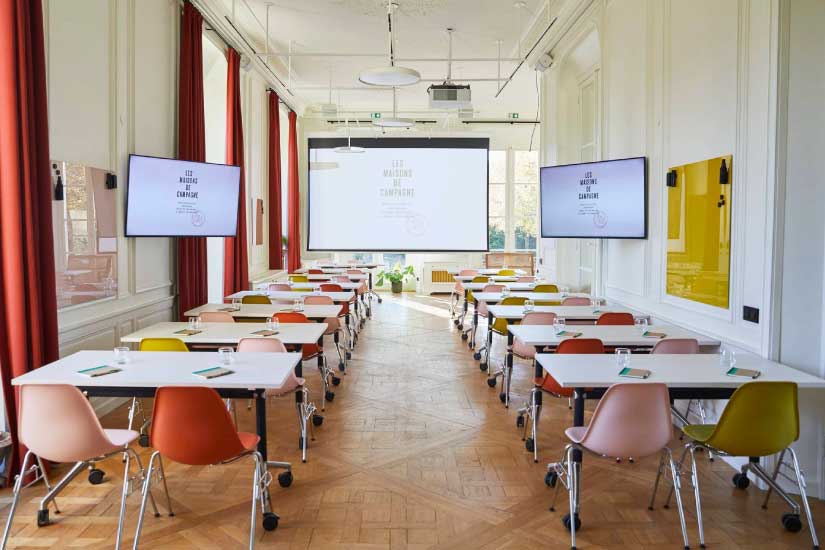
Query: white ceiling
{"x": 359, "y": 26}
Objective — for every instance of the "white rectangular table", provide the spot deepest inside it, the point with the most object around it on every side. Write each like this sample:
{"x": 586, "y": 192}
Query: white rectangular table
{"x": 298, "y": 334}
{"x": 263, "y": 287}
{"x": 328, "y": 276}
{"x": 262, "y": 311}
{"x": 253, "y": 374}
{"x": 486, "y": 271}
{"x": 493, "y": 278}
{"x": 338, "y": 297}
{"x": 496, "y": 297}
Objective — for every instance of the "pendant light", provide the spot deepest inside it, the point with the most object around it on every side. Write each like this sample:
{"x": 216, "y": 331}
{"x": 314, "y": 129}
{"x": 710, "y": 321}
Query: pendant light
{"x": 390, "y": 75}
{"x": 348, "y": 148}
{"x": 394, "y": 121}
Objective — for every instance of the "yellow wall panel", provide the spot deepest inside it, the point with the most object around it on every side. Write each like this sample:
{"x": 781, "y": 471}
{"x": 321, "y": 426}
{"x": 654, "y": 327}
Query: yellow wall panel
{"x": 698, "y": 232}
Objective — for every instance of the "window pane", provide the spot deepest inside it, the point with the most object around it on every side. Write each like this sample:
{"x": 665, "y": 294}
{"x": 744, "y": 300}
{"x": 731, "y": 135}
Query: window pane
{"x": 391, "y": 259}
{"x": 85, "y": 235}
{"x": 527, "y": 166}
{"x": 496, "y": 233}
{"x": 497, "y": 197}
{"x": 498, "y": 166}
{"x": 525, "y": 215}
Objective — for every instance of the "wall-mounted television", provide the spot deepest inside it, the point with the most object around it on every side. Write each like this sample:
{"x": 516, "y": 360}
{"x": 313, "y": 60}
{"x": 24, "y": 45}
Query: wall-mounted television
{"x": 595, "y": 200}
{"x": 179, "y": 198}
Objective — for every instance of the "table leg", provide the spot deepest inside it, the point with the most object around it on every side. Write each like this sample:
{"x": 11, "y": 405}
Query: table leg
{"x": 475, "y": 325}
{"x": 578, "y": 417}
{"x": 260, "y": 420}
{"x": 486, "y": 363}
{"x": 508, "y": 369}
{"x": 463, "y": 310}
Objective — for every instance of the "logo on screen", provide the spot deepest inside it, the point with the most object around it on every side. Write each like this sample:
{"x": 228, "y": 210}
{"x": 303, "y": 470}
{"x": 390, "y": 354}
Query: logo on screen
{"x": 416, "y": 224}
{"x": 198, "y": 219}
{"x": 599, "y": 219}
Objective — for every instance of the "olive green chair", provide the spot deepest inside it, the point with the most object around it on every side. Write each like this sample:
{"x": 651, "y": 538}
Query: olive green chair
{"x": 761, "y": 419}
{"x": 546, "y": 288}
{"x": 256, "y": 299}
{"x": 506, "y": 272}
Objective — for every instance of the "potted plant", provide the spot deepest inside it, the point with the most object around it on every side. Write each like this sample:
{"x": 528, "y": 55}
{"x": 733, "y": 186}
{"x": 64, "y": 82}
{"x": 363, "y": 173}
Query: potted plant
{"x": 396, "y": 276}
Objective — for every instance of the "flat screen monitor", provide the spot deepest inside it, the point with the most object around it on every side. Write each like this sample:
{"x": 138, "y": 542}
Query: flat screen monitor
{"x": 398, "y": 195}
{"x": 593, "y": 200}
{"x": 178, "y": 198}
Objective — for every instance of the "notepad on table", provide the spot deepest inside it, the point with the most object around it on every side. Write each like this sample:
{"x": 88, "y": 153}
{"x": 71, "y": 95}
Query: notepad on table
{"x": 744, "y": 373}
{"x": 102, "y": 370}
{"x": 265, "y": 332}
{"x": 649, "y": 334}
{"x": 629, "y": 372}
{"x": 569, "y": 334}
{"x": 212, "y": 372}
{"x": 188, "y": 332}
{"x": 230, "y": 309}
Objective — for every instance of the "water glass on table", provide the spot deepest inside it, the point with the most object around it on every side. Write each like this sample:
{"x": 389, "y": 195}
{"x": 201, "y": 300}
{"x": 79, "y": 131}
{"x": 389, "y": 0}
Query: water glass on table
{"x": 559, "y": 325}
{"x": 225, "y": 355}
{"x": 727, "y": 358}
{"x": 623, "y": 357}
{"x": 121, "y": 355}
{"x": 641, "y": 325}
{"x": 272, "y": 323}
{"x": 528, "y": 305}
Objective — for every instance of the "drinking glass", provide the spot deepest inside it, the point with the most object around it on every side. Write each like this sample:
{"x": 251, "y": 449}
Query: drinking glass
{"x": 528, "y": 305}
{"x": 299, "y": 304}
{"x": 559, "y": 325}
{"x": 564, "y": 291}
{"x": 225, "y": 355}
{"x": 236, "y": 304}
{"x": 121, "y": 355}
{"x": 727, "y": 357}
{"x": 623, "y": 357}
{"x": 641, "y": 325}
{"x": 505, "y": 291}
{"x": 595, "y": 303}
{"x": 193, "y": 323}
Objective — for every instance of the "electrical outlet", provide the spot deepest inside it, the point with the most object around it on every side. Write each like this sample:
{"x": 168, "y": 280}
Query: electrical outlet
{"x": 750, "y": 314}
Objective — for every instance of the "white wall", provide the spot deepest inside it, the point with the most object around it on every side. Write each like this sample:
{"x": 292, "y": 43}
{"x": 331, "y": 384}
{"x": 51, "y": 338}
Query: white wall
{"x": 112, "y": 86}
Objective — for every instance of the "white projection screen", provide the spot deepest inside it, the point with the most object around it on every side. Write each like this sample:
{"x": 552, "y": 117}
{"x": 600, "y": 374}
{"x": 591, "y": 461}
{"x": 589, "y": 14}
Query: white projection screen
{"x": 400, "y": 195}
{"x": 595, "y": 200}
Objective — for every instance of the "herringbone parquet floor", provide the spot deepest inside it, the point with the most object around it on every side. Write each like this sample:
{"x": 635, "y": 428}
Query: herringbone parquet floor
{"x": 416, "y": 452}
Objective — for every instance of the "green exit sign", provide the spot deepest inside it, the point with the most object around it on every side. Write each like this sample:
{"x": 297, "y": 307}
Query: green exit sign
{"x": 375, "y": 115}
{"x": 512, "y": 116}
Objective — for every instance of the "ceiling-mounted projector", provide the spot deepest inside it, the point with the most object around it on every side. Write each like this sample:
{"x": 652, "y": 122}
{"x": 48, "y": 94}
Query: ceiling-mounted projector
{"x": 449, "y": 96}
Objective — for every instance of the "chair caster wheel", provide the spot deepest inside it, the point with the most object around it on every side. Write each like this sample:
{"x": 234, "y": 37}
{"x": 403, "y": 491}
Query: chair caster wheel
{"x": 482, "y": 366}
{"x": 491, "y": 382}
{"x": 330, "y": 396}
{"x": 285, "y": 479}
{"x": 460, "y": 326}
{"x": 529, "y": 444}
{"x": 270, "y": 521}
{"x": 502, "y": 397}
{"x": 96, "y": 476}
{"x": 342, "y": 367}
{"x": 464, "y": 336}
{"x": 143, "y": 440}
{"x": 477, "y": 355}
{"x": 791, "y": 522}
{"x": 471, "y": 345}
{"x": 335, "y": 380}
{"x": 520, "y": 421}
{"x": 349, "y": 355}
{"x": 550, "y": 479}
{"x": 317, "y": 420}
{"x": 42, "y": 518}
{"x": 455, "y": 322}
{"x": 741, "y": 481}
{"x": 565, "y": 520}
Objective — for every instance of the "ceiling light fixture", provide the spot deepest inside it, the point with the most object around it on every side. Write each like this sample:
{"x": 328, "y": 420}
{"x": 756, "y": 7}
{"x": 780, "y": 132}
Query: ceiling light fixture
{"x": 348, "y": 148}
{"x": 390, "y": 75}
{"x": 394, "y": 121}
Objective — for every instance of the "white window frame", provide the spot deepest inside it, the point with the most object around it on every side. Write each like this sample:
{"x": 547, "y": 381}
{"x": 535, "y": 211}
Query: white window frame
{"x": 509, "y": 204}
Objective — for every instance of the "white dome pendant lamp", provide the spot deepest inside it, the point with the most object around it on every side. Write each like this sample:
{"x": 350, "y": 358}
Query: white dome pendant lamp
{"x": 348, "y": 148}
{"x": 390, "y": 75}
{"x": 394, "y": 121}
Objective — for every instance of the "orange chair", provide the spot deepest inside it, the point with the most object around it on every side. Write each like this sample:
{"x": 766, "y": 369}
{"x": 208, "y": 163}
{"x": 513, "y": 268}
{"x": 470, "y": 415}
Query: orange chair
{"x": 191, "y": 426}
{"x": 548, "y": 384}
{"x": 333, "y": 328}
{"x": 316, "y": 271}
{"x": 346, "y": 314}
{"x": 616, "y": 318}
{"x": 311, "y": 351}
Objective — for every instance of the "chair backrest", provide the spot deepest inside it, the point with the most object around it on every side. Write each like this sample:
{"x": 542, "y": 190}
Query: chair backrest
{"x": 576, "y": 301}
{"x": 331, "y": 287}
{"x": 162, "y": 344}
{"x": 525, "y": 279}
{"x": 263, "y": 345}
{"x": 506, "y": 272}
{"x": 191, "y": 425}
{"x": 341, "y": 279}
{"x": 538, "y": 318}
{"x": 761, "y": 419}
{"x": 546, "y": 288}
{"x": 492, "y": 288}
{"x": 280, "y": 287}
{"x": 354, "y": 272}
{"x": 630, "y": 420}
{"x": 480, "y": 279}
{"x": 580, "y": 345}
{"x": 299, "y": 278}
{"x": 468, "y": 272}
{"x": 513, "y": 301}
{"x": 217, "y": 317}
{"x": 318, "y": 300}
{"x": 616, "y": 318}
{"x": 291, "y": 317}
{"x": 316, "y": 271}
{"x": 676, "y": 345}
{"x": 59, "y": 424}
{"x": 256, "y": 299}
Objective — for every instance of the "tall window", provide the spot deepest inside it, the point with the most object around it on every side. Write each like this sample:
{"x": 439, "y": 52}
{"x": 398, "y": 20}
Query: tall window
{"x": 514, "y": 200}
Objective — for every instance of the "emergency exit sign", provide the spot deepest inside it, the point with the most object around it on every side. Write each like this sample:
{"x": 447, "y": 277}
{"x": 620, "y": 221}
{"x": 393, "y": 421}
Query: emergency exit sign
{"x": 512, "y": 116}
{"x": 375, "y": 116}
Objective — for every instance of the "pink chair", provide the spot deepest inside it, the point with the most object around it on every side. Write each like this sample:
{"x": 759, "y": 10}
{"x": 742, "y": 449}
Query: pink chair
{"x": 520, "y": 349}
{"x": 576, "y": 301}
{"x": 216, "y": 317}
{"x": 279, "y": 287}
{"x": 482, "y": 316}
{"x": 458, "y": 289}
{"x": 632, "y": 420}
{"x": 57, "y": 423}
{"x": 333, "y": 328}
{"x": 526, "y": 279}
{"x": 306, "y": 409}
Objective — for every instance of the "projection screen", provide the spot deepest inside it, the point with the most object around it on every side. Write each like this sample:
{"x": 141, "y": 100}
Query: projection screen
{"x": 399, "y": 195}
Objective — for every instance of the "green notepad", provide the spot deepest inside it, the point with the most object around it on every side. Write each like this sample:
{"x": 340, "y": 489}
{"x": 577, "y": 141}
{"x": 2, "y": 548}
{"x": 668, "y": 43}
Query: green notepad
{"x": 569, "y": 334}
{"x": 101, "y": 370}
{"x": 648, "y": 334}
{"x": 212, "y": 372}
{"x": 188, "y": 332}
{"x": 265, "y": 332}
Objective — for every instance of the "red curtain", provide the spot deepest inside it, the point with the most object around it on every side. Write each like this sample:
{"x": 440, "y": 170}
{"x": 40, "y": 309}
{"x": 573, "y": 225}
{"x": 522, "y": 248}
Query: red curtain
{"x": 28, "y": 300}
{"x": 235, "y": 265}
{"x": 276, "y": 258}
{"x": 192, "y": 285}
{"x": 294, "y": 216}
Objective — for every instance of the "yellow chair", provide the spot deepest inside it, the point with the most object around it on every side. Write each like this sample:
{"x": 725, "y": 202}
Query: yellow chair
{"x": 500, "y": 325}
{"x": 506, "y": 272}
{"x": 761, "y": 419}
{"x": 162, "y": 344}
{"x": 546, "y": 288}
{"x": 299, "y": 278}
{"x": 476, "y": 279}
{"x": 256, "y": 299}
{"x": 548, "y": 303}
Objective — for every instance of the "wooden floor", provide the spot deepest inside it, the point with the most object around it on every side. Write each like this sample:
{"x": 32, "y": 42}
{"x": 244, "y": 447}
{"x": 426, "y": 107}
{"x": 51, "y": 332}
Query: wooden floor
{"x": 415, "y": 452}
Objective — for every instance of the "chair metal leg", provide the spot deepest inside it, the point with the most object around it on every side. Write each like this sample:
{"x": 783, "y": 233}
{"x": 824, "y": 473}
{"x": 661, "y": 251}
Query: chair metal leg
{"x": 800, "y": 480}
{"x": 572, "y": 493}
{"x": 47, "y": 482}
{"x": 165, "y": 487}
{"x": 536, "y": 411}
{"x": 656, "y": 482}
{"x": 773, "y": 477}
{"x": 256, "y": 487}
{"x": 18, "y": 486}
{"x": 695, "y": 481}
{"x": 54, "y": 491}
{"x": 124, "y": 494}
{"x": 679, "y": 464}
{"x": 677, "y": 486}
{"x": 147, "y": 483}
